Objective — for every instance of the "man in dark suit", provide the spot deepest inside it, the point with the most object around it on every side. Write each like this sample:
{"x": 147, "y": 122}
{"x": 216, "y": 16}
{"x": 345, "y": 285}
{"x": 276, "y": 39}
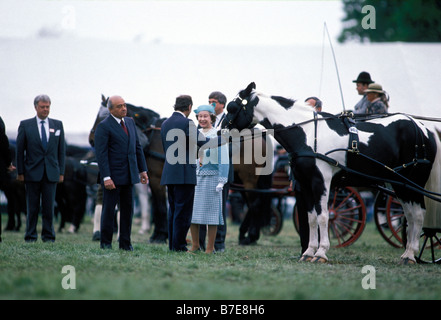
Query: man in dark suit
{"x": 40, "y": 164}
{"x": 5, "y": 163}
{"x": 180, "y": 139}
{"x": 121, "y": 164}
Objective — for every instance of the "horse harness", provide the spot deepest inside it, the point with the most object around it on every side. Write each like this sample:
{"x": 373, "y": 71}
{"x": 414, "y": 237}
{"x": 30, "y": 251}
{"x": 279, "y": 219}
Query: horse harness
{"x": 350, "y": 123}
{"x": 149, "y": 131}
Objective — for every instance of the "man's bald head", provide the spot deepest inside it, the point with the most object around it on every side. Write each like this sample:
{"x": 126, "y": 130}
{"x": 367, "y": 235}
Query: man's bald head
{"x": 117, "y": 106}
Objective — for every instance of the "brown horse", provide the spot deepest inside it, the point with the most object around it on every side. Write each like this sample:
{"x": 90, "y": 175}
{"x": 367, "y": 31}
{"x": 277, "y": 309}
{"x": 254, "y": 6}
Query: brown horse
{"x": 252, "y": 185}
{"x": 148, "y": 125}
{"x": 155, "y": 157}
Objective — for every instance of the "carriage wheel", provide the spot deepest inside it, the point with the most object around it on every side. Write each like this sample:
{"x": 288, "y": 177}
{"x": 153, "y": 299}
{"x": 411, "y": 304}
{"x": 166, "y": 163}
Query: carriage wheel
{"x": 347, "y": 217}
{"x": 276, "y": 223}
{"x": 389, "y": 217}
{"x": 430, "y": 245}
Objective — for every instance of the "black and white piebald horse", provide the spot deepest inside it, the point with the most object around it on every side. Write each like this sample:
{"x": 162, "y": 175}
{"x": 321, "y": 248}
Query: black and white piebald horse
{"x": 393, "y": 150}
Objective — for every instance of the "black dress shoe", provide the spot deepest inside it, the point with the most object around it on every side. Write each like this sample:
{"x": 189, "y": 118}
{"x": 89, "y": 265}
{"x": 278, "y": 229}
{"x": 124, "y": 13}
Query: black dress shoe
{"x": 160, "y": 239}
{"x": 96, "y": 236}
{"x": 106, "y": 246}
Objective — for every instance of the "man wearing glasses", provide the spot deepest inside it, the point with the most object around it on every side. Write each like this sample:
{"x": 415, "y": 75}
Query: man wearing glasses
{"x": 218, "y": 101}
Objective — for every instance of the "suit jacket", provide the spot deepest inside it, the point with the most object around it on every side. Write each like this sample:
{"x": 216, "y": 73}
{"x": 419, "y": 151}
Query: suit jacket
{"x": 180, "y": 139}
{"x": 32, "y": 159}
{"x": 5, "y": 154}
{"x": 119, "y": 156}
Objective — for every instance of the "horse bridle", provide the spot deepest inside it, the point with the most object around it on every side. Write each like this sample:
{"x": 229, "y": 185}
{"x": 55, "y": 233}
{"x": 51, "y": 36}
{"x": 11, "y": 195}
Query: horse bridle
{"x": 242, "y": 104}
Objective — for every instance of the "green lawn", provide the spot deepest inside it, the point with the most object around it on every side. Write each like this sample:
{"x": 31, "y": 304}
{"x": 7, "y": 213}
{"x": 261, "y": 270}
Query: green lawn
{"x": 269, "y": 270}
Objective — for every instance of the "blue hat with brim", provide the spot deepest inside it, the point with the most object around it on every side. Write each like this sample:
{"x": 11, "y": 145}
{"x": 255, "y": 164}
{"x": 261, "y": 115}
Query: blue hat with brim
{"x": 204, "y": 107}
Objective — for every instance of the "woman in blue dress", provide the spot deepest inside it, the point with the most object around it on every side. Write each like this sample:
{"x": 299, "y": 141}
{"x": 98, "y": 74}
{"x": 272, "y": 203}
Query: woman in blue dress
{"x": 212, "y": 174}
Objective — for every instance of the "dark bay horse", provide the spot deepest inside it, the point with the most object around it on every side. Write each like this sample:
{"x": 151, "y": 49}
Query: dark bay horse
{"x": 395, "y": 150}
{"x": 251, "y": 184}
{"x": 71, "y": 195}
{"x": 148, "y": 124}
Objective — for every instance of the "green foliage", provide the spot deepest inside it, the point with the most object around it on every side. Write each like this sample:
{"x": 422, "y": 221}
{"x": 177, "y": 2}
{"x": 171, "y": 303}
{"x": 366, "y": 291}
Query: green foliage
{"x": 407, "y": 21}
{"x": 267, "y": 271}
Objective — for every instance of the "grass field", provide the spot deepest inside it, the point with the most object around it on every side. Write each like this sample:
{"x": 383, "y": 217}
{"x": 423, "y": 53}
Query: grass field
{"x": 266, "y": 271}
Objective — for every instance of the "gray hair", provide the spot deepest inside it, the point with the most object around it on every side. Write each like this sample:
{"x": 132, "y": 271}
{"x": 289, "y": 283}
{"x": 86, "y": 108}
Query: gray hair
{"x": 41, "y": 97}
{"x": 110, "y": 102}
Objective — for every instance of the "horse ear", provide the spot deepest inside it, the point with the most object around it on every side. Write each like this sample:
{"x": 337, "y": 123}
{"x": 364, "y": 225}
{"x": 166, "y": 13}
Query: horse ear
{"x": 250, "y": 87}
{"x": 103, "y": 98}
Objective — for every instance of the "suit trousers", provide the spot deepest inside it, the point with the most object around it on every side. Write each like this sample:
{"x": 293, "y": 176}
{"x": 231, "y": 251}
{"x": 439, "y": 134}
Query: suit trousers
{"x": 35, "y": 191}
{"x": 180, "y": 198}
{"x": 122, "y": 195}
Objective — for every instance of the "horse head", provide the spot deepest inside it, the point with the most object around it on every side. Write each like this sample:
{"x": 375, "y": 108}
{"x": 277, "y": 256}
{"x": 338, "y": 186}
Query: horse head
{"x": 102, "y": 113}
{"x": 144, "y": 118}
{"x": 241, "y": 109}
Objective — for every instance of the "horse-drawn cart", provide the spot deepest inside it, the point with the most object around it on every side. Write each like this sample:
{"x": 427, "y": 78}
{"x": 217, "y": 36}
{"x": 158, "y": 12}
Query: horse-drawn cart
{"x": 396, "y": 154}
{"x": 348, "y": 216}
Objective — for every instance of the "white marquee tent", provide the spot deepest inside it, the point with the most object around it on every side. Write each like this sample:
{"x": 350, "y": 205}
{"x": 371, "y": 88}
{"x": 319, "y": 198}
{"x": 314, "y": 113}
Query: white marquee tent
{"x": 75, "y": 72}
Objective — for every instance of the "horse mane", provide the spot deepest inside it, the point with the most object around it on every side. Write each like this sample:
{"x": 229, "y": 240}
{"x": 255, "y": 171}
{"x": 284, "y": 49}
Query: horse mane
{"x": 284, "y": 102}
{"x": 141, "y": 110}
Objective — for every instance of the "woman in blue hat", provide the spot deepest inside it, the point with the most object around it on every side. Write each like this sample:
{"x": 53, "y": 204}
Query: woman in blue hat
{"x": 212, "y": 174}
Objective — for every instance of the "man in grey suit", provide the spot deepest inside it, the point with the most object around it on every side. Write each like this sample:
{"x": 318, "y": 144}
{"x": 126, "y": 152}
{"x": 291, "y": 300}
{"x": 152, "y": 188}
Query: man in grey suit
{"x": 40, "y": 164}
{"x": 121, "y": 163}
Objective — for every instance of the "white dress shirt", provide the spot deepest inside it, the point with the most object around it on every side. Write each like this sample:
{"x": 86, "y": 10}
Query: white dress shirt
{"x": 219, "y": 119}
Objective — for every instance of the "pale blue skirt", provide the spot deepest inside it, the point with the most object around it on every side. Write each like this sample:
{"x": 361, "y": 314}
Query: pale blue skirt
{"x": 207, "y": 205}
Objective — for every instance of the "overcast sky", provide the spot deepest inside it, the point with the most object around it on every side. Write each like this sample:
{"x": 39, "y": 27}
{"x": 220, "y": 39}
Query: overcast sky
{"x": 201, "y": 22}
{"x": 70, "y": 67}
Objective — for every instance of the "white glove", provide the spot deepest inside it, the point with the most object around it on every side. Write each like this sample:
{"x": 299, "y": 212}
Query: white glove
{"x": 220, "y": 187}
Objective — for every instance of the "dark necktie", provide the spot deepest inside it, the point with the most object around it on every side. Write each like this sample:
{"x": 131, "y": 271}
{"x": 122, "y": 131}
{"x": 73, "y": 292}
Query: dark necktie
{"x": 43, "y": 136}
{"x": 124, "y": 127}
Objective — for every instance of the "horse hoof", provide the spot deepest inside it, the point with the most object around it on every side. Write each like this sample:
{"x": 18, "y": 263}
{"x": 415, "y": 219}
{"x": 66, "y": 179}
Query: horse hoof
{"x": 407, "y": 262}
{"x": 306, "y": 258}
{"x": 319, "y": 260}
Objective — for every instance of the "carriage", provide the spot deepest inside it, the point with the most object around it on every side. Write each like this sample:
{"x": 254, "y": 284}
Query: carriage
{"x": 348, "y": 216}
{"x": 347, "y": 207}
{"x": 347, "y": 210}
{"x": 396, "y": 153}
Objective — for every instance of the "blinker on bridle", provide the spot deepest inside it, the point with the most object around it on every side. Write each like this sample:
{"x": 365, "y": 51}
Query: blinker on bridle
{"x": 243, "y": 101}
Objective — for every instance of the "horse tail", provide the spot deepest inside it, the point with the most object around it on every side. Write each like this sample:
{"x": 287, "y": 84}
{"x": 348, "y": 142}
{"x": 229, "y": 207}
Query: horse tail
{"x": 433, "y": 208}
